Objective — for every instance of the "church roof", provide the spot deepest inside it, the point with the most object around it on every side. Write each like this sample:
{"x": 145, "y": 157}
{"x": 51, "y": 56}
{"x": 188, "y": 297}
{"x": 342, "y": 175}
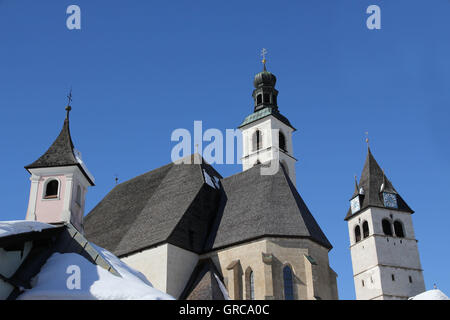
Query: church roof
{"x": 205, "y": 283}
{"x": 264, "y": 205}
{"x": 175, "y": 204}
{"x": 60, "y": 154}
{"x": 171, "y": 204}
{"x": 373, "y": 181}
{"x": 267, "y": 111}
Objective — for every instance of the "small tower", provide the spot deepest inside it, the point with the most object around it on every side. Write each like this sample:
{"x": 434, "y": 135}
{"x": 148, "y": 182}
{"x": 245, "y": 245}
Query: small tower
{"x": 266, "y": 133}
{"x": 385, "y": 256}
{"x": 59, "y": 182}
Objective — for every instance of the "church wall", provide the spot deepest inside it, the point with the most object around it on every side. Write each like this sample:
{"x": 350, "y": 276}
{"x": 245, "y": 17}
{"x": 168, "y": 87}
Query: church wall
{"x": 49, "y": 210}
{"x": 152, "y": 263}
{"x": 310, "y": 281}
{"x": 167, "y": 267}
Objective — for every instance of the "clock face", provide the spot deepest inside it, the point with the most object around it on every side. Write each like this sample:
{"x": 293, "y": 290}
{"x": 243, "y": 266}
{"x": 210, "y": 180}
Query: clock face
{"x": 354, "y": 203}
{"x": 390, "y": 200}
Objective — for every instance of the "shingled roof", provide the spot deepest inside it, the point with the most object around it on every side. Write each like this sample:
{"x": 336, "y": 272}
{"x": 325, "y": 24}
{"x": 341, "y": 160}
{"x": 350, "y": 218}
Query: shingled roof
{"x": 60, "y": 153}
{"x": 372, "y": 179}
{"x": 172, "y": 204}
{"x": 263, "y": 205}
{"x": 205, "y": 283}
{"x": 175, "y": 204}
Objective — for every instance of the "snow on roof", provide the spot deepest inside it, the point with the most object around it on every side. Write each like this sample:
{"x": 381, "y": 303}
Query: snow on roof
{"x": 435, "y": 294}
{"x": 8, "y": 228}
{"x": 57, "y": 280}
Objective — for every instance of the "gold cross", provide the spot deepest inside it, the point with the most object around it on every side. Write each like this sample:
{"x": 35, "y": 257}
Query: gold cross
{"x": 263, "y": 54}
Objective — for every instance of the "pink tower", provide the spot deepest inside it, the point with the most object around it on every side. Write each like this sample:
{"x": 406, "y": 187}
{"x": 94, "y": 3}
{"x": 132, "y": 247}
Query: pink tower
{"x": 59, "y": 182}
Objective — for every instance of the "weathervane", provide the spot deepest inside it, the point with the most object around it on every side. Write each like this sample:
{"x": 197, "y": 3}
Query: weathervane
{"x": 69, "y": 101}
{"x": 263, "y": 54}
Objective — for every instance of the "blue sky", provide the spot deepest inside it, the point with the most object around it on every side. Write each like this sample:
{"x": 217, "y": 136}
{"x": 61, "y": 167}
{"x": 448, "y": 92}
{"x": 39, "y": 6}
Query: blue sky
{"x": 140, "y": 69}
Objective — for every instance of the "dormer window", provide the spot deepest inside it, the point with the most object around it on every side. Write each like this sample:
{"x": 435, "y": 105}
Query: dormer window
{"x": 51, "y": 189}
{"x": 390, "y": 200}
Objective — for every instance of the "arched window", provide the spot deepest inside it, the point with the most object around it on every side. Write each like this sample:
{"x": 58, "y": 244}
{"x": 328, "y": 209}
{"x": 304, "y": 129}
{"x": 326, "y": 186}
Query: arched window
{"x": 249, "y": 284}
{"x": 257, "y": 140}
{"x": 51, "y": 189}
{"x": 288, "y": 283}
{"x": 357, "y": 234}
{"x": 259, "y": 99}
{"x": 281, "y": 141}
{"x": 365, "y": 228}
{"x": 78, "y": 197}
{"x": 398, "y": 228}
{"x": 386, "y": 224}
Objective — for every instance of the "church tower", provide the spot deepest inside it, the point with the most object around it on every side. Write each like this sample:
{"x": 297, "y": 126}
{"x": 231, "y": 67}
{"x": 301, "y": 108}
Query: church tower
{"x": 384, "y": 252}
{"x": 266, "y": 133}
{"x": 59, "y": 182}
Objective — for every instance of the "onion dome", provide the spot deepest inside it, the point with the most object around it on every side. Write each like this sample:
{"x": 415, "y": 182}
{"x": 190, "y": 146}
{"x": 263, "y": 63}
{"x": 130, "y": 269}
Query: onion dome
{"x": 264, "y": 78}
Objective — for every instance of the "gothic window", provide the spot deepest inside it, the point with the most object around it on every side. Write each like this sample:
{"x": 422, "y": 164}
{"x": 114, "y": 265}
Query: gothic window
{"x": 357, "y": 234}
{"x": 281, "y": 141}
{"x": 51, "y": 189}
{"x": 288, "y": 283}
{"x": 365, "y": 228}
{"x": 266, "y": 98}
{"x": 259, "y": 99}
{"x": 249, "y": 284}
{"x": 398, "y": 228}
{"x": 257, "y": 140}
{"x": 386, "y": 227}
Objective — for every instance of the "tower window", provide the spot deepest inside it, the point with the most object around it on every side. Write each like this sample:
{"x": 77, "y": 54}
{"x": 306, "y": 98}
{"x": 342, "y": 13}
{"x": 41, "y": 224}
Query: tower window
{"x": 398, "y": 228}
{"x": 410, "y": 279}
{"x": 259, "y": 99}
{"x": 288, "y": 283}
{"x": 365, "y": 227}
{"x": 357, "y": 233}
{"x": 281, "y": 141}
{"x": 362, "y": 282}
{"x": 266, "y": 98}
{"x": 249, "y": 284}
{"x": 393, "y": 277}
{"x": 51, "y": 189}
{"x": 78, "y": 197}
{"x": 257, "y": 140}
{"x": 386, "y": 227}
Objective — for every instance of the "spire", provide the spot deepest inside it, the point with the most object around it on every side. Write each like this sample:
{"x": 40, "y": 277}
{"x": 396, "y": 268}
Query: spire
{"x": 372, "y": 180}
{"x": 61, "y": 152}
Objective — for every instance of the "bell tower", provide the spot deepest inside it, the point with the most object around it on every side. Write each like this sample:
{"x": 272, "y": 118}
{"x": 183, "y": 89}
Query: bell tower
{"x": 266, "y": 133}
{"x": 59, "y": 182}
{"x": 384, "y": 251}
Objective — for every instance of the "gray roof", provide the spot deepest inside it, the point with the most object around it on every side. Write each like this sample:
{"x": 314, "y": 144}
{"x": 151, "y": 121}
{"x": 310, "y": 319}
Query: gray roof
{"x": 264, "y": 205}
{"x": 173, "y": 204}
{"x": 60, "y": 153}
{"x": 372, "y": 179}
{"x": 204, "y": 283}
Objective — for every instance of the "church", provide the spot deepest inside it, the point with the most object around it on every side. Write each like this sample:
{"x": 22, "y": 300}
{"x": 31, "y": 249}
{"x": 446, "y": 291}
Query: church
{"x": 196, "y": 235}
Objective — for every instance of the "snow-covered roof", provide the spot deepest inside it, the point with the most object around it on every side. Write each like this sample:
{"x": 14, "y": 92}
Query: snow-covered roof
{"x": 9, "y": 228}
{"x": 434, "y": 294}
{"x": 57, "y": 281}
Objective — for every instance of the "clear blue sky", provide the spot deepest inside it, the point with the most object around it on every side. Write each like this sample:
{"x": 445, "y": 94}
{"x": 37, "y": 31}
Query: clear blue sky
{"x": 140, "y": 69}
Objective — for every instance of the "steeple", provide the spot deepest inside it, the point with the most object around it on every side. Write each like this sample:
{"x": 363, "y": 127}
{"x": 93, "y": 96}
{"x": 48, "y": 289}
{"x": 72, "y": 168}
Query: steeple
{"x": 374, "y": 183}
{"x": 59, "y": 182}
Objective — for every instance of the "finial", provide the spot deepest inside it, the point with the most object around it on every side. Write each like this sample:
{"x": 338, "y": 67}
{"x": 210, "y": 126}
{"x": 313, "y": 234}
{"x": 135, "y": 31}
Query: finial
{"x": 69, "y": 101}
{"x": 435, "y": 286}
{"x": 263, "y": 54}
{"x": 367, "y": 139}
{"x": 116, "y": 178}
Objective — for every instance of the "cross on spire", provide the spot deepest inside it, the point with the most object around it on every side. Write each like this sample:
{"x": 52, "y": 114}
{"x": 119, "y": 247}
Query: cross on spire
{"x": 263, "y": 54}
{"x": 69, "y": 101}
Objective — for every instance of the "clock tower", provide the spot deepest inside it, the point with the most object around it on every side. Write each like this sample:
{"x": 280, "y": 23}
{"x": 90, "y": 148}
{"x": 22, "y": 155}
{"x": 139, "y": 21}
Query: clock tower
{"x": 384, "y": 251}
